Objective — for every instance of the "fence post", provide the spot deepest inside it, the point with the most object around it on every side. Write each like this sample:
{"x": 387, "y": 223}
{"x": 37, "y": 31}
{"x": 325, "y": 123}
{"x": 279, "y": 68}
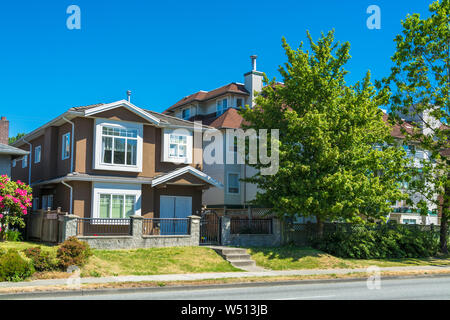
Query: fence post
{"x": 225, "y": 228}
{"x": 195, "y": 230}
{"x": 69, "y": 228}
{"x": 136, "y": 226}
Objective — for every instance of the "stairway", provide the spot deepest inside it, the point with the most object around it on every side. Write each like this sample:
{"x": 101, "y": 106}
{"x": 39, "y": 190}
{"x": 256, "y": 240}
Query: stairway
{"x": 238, "y": 258}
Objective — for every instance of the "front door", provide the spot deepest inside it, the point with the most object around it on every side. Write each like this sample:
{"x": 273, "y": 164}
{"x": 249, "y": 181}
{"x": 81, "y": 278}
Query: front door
{"x": 171, "y": 209}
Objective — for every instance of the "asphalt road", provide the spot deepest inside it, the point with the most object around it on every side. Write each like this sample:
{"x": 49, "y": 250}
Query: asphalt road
{"x": 411, "y": 289}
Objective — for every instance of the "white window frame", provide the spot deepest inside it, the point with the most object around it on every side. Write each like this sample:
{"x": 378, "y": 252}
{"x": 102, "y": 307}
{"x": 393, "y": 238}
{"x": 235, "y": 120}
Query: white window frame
{"x": 98, "y": 164}
{"x": 65, "y": 144}
{"x": 228, "y": 183}
{"x": 115, "y": 189}
{"x": 165, "y": 155}
{"x": 243, "y": 102}
{"x": 37, "y": 155}
{"x": 25, "y": 161}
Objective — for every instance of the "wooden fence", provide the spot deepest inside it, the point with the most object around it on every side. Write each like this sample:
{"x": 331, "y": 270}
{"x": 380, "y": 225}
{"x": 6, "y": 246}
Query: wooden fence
{"x": 45, "y": 225}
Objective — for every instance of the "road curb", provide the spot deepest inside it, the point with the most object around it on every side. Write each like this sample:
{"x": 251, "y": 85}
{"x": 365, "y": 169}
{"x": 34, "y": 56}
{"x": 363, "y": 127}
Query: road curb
{"x": 71, "y": 293}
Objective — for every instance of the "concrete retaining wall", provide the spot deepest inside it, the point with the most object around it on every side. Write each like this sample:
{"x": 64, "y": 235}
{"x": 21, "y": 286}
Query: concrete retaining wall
{"x": 136, "y": 239}
{"x": 251, "y": 240}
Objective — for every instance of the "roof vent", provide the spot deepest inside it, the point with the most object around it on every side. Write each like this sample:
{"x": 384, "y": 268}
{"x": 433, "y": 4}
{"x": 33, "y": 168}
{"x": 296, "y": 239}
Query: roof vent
{"x": 253, "y": 57}
{"x": 129, "y": 95}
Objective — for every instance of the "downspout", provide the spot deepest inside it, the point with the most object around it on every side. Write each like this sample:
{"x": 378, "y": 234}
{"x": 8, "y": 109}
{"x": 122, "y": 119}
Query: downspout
{"x": 71, "y": 195}
{"x": 71, "y": 142}
{"x": 71, "y": 162}
{"x": 29, "y": 161}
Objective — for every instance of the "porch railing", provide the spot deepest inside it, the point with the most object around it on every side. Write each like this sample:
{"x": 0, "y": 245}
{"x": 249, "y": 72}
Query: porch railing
{"x": 165, "y": 226}
{"x": 103, "y": 227}
{"x": 250, "y": 226}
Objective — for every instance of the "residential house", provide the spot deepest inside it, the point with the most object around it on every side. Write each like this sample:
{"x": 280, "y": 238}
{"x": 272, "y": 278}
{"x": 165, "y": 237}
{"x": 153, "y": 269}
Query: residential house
{"x": 115, "y": 160}
{"x": 218, "y": 109}
{"x": 9, "y": 156}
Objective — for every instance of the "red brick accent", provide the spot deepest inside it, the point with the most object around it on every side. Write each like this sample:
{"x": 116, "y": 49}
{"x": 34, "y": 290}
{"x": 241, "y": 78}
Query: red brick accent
{"x": 4, "y": 130}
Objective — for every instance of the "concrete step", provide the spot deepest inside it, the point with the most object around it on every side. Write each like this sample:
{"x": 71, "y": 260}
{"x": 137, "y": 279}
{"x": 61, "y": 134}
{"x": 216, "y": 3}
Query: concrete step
{"x": 234, "y": 257}
{"x": 243, "y": 263}
{"x": 228, "y": 251}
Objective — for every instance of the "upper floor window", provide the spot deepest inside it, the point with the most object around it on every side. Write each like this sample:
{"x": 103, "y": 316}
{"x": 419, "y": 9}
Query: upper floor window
{"x": 178, "y": 146}
{"x": 118, "y": 146}
{"x": 186, "y": 113}
{"x": 24, "y": 161}
{"x": 222, "y": 106}
{"x": 37, "y": 154}
{"x": 239, "y": 103}
{"x": 65, "y": 146}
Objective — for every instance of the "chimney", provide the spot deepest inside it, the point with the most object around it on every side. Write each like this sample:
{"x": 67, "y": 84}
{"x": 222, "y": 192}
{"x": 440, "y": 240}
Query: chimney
{"x": 129, "y": 95}
{"x": 253, "y": 81}
{"x": 4, "y": 130}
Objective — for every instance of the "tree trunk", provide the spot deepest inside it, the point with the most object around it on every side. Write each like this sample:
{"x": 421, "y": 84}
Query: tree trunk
{"x": 444, "y": 220}
{"x": 319, "y": 228}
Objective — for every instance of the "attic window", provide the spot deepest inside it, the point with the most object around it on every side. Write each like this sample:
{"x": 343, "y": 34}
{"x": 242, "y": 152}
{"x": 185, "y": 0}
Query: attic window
{"x": 186, "y": 113}
{"x": 222, "y": 106}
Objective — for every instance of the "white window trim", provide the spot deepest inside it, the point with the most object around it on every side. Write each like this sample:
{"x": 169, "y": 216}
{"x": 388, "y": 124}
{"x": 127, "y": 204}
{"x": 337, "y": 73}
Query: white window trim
{"x": 228, "y": 183}
{"x": 97, "y": 161}
{"x": 166, "y": 144}
{"x": 63, "y": 146}
{"x": 115, "y": 189}
{"x": 36, "y": 153}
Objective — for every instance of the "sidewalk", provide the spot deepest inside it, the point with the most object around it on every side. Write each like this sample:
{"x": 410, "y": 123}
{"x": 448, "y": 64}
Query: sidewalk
{"x": 208, "y": 276}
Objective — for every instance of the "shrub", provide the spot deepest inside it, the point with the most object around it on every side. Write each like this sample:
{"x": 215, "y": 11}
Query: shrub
{"x": 73, "y": 252}
{"x": 13, "y": 235}
{"x": 379, "y": 242}
{"x": 42, "y": 260}
{"x": 13, "y": 267}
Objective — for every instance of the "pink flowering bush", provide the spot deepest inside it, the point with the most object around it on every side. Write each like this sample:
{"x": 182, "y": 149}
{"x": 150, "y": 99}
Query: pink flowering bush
{"x": 15, "y": 199}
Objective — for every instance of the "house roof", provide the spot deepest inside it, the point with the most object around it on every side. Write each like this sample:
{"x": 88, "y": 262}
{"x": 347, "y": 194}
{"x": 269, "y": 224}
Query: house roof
{"x": 201, "y": 96}
{"x": 163, "y": 178}
{"x": 155, "y": 118}
{"x": 10, "y": 150}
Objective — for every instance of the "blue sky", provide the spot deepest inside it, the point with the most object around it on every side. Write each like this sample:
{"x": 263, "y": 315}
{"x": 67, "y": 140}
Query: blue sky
{"x": 165, "y": 50}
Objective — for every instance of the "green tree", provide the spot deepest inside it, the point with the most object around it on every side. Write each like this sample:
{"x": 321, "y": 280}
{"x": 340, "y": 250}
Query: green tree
{"x": 336, "y": 161}
{"x": 420, "y": 81}
{"x": 17, "y": 137}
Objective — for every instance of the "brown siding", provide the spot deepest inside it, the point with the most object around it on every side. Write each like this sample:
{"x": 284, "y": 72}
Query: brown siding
{"x": 151, "y": 162}
{"x": 82, "y": 199}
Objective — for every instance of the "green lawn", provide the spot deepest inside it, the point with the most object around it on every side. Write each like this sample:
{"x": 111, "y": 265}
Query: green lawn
{"x": 149, "y": 261}
{"x": 291, "y": 258}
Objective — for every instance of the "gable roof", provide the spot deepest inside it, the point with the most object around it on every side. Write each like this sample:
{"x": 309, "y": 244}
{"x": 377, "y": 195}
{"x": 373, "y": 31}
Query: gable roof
{"x": 201, "y": 96}
{"x": 155, "y": 118}
{"x": 188, "y": 169}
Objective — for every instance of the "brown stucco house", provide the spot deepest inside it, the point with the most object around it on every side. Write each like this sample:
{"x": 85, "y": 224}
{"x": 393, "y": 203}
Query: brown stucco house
{"x": 115, "y": 160}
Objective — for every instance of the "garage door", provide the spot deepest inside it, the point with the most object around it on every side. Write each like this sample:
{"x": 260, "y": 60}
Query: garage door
{"x": 174, "y": 208}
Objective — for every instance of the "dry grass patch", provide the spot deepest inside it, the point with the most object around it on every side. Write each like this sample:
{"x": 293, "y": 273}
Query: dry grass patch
{"x": 153, "y": 261}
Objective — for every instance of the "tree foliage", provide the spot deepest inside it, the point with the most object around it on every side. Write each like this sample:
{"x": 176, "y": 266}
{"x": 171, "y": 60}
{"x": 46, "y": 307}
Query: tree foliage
{"x": 420, "y": 81}
{"x": 336, "y": 161}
